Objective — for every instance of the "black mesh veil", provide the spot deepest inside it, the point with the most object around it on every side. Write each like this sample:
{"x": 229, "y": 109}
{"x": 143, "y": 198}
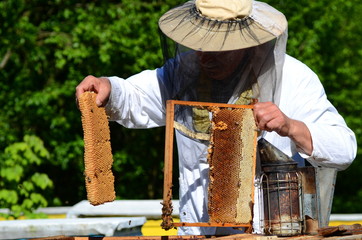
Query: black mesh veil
{"x": 218, "y": 75}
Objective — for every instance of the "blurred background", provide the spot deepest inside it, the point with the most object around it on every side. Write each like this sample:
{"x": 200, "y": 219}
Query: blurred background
{"x": 48, "y": 47}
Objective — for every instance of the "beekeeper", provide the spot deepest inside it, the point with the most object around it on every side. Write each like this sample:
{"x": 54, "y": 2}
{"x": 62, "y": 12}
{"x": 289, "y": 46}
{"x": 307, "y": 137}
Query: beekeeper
{"x": 228, "y": 51}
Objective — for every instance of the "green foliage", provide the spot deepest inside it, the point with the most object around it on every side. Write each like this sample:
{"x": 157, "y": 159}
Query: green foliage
{"x": 137, "y": 166}
{"x": 21, "y": 189}
{"x": 48, "y": 47}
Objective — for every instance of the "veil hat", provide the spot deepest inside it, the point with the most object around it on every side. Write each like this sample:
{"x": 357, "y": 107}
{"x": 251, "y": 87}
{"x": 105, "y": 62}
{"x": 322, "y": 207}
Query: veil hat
{"x": 222, "y": 25}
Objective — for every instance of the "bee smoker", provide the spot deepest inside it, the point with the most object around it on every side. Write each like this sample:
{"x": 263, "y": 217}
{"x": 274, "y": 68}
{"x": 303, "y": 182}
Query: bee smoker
{"x": 281, "y": 191}
{"x": 293, "y": 199}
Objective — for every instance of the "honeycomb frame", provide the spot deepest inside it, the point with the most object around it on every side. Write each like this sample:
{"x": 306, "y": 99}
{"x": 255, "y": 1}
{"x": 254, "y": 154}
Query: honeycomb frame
{"x": 226, "y": 118}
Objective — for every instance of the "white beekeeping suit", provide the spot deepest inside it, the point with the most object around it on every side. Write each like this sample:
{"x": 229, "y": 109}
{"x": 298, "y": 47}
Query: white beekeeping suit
{"x": 217, "y": 56}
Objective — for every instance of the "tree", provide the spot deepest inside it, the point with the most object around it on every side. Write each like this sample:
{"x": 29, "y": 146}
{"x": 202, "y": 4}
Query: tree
{"x": 47, "y": 48}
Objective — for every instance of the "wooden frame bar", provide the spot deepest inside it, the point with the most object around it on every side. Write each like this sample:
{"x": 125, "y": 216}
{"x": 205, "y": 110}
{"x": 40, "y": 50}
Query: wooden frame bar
{"x": 206, "y": 104}
{"x": 167, "y": 208}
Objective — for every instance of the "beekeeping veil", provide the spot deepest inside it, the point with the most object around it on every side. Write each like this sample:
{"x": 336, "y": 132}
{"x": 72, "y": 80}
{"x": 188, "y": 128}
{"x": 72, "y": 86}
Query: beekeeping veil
{"x": 224, "y": 51}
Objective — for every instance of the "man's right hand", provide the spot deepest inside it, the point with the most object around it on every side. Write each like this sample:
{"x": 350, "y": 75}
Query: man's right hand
{"x": 101, "y": 86}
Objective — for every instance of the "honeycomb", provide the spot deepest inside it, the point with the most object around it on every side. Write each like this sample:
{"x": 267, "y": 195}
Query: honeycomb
{"x": 232, "y": 166}
{"x": 98, "y": 159}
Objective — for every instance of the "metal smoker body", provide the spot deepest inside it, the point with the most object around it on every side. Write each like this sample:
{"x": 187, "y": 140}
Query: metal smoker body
{"x": 295, "y": 200}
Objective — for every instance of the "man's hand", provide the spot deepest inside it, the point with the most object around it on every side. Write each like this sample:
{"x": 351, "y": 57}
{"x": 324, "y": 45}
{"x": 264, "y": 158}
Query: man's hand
{"x": 101, "y": 86}
{"x": 270, "y": 118}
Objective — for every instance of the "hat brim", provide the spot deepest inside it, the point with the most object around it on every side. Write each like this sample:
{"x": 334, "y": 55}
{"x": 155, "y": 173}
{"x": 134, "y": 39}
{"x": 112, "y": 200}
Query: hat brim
{"x": 187, "y": 27}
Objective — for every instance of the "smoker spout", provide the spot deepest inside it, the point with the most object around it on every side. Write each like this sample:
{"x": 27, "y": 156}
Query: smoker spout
{"x": 269, "y": 154}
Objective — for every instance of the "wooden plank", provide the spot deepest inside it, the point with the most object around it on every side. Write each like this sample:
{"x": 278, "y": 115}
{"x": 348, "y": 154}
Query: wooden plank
{"x": 340, "y": 230}
{"x": 244, "y": 236}
{"x": 202, "y": 237}
{"x": 141, "y": 238}
{"x": 60, "y": 237}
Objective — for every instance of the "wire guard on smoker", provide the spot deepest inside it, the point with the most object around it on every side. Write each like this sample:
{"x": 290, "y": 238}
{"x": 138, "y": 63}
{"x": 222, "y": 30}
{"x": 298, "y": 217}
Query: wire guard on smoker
{"x": 281, "y": 188}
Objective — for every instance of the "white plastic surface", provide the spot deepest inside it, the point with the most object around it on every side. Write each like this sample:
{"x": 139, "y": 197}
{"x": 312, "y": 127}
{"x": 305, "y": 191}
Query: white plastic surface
{"x": 151, "y": 209}
{"x": 36, "y": 228}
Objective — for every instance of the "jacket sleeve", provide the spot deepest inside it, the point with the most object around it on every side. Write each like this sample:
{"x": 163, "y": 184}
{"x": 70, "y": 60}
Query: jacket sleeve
{"x": 136, "y": 102}
{"x": 334, "y": 144}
